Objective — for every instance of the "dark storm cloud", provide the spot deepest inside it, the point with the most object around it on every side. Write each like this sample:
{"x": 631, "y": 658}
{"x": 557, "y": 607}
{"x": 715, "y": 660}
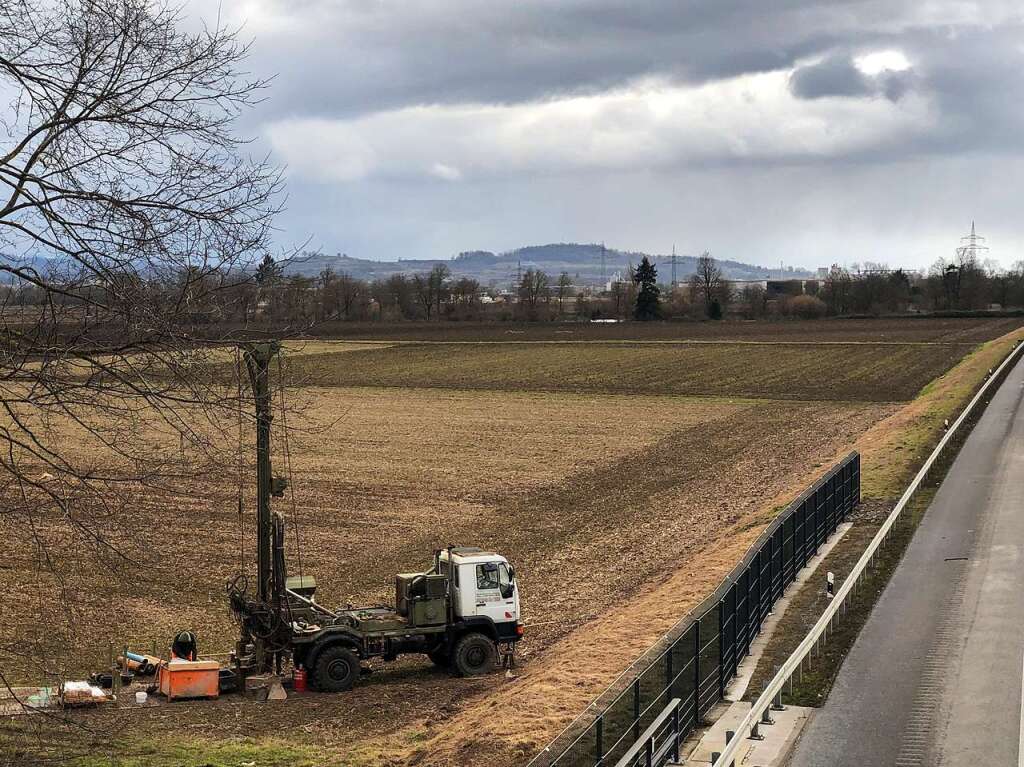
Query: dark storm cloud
{"x": 358, "y": 57}
{"x": 339, "y": 59}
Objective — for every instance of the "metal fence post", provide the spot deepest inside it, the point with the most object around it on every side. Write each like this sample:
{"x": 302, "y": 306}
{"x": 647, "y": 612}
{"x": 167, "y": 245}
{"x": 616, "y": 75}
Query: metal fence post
{"x": 669, "y": 681}
{"x": 721, "y": 647}
{"x": 599, "y": 740}
{"x": 696, "y": 671}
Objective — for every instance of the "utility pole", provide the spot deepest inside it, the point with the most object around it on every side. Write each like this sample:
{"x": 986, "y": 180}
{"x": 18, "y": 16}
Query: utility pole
{"x": 673, "y": 265}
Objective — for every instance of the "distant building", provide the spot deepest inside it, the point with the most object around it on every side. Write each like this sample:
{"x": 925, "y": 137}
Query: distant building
{"x": 616, "y": 279}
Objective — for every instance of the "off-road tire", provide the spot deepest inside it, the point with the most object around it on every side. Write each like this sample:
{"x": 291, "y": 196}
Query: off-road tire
{"x": 440, "y": 657}
{"x": 336, "y": 669}
{"x": 474, "y": 654}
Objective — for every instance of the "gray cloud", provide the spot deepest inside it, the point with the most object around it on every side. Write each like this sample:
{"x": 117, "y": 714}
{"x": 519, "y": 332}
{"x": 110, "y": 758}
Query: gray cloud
{"x": 362, "y": 57}
{"x": 838, "y": 76}
{"x": 363, "y": 68}
{"x": 834, "y": 76}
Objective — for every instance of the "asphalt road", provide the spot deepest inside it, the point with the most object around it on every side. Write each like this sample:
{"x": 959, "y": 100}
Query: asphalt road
{"x": 935, "y": 677}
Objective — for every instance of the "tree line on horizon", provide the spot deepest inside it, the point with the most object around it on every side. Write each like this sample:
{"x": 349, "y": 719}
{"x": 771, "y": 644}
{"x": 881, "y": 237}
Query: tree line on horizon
{"x": 269, "y": 296}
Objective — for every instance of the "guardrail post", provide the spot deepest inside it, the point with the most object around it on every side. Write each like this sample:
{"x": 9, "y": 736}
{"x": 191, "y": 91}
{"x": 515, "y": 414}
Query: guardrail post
{"x": 676, "y": 732}
{"x": 777, "y": 702}
{"x": 599, "y": 741}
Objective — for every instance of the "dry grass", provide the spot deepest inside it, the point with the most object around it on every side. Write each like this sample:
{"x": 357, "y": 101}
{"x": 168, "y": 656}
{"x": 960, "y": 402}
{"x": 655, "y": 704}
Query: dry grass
{"x": 893, "y": 448}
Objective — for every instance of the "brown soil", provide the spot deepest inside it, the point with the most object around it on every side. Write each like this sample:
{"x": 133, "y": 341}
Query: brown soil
{"x": 849, "y": 371}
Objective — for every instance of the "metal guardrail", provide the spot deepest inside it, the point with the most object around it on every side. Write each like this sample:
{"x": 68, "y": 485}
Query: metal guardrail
{"x": 665, "y": 728}
{"x": 696, "y": 659}
{"x": 772, "y": 694}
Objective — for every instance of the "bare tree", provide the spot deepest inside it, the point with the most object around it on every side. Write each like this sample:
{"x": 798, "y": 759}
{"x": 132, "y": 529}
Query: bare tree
{"x": 534, "y": 288}
{"x": 709, "y": 287}
{"x": 438, "y": 279}
{"x": 564, "y": 290}
{"x": 837, "y": 289}
{"x": 752, "y": 299}
{"x": 129, "y": 205}
{"x": 708, "y": 278}
{"x": 423, "y": 287}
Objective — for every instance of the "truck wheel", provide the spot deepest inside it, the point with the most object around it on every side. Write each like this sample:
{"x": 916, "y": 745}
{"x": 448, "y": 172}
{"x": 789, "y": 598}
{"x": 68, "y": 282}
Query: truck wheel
{"x": 337, "y": 669}
{"x": 440, "y": 657}
{"x": 474, "y": 654}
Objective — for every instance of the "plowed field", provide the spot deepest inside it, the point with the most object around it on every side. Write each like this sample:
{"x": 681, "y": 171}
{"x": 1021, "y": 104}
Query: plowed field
{"x": 857, "y": 372}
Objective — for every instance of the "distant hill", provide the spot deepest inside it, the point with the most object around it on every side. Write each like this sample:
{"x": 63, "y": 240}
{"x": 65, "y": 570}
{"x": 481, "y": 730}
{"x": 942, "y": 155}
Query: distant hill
{"x": 581, "y": 261}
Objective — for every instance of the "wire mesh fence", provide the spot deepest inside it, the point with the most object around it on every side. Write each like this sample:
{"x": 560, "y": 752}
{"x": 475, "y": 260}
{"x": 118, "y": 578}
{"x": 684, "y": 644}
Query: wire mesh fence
{"x": 695, "y": 661}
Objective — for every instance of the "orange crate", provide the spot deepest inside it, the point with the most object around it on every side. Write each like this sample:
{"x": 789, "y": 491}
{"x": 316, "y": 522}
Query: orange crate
{"x": 190, "y": 679}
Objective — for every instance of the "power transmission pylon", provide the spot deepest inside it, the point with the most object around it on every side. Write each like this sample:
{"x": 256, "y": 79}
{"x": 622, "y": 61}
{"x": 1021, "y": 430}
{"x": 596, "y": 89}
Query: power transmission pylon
{"x": 604, "y": 274}
{"x": 971, "y": 245}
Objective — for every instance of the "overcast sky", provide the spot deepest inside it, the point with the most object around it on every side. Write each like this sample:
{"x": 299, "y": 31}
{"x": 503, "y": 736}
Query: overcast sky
{"x": 761, "y": 130}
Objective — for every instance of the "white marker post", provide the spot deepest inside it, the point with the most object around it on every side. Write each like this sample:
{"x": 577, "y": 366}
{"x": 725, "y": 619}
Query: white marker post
{"x": 830, "y": 585}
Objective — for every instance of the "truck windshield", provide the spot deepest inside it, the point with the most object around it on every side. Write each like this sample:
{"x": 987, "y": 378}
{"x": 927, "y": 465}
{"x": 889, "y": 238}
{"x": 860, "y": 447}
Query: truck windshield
{"x": 505, "y": 581}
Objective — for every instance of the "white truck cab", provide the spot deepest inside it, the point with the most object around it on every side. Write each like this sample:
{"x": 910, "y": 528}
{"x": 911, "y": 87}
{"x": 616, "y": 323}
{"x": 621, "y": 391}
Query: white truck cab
{"x": 483, "y": 586}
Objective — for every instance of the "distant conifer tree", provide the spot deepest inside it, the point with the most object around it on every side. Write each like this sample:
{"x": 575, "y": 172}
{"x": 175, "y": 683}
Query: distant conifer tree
{"x": 648, "y": 299}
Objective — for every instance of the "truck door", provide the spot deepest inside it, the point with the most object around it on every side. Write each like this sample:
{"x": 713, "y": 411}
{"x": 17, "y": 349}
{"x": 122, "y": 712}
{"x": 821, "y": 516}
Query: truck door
{"x": 495, "y": 595}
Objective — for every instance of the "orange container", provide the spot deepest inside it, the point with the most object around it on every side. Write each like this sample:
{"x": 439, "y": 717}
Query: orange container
{"x": 190, "y": 679}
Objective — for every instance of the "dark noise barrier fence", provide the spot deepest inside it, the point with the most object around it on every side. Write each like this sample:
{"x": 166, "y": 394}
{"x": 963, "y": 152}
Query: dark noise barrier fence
{"x": 696, "y": 660}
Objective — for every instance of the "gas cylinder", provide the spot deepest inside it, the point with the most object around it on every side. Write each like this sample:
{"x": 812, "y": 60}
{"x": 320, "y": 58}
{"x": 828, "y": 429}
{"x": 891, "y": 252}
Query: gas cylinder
{"x": 299, "y": 679}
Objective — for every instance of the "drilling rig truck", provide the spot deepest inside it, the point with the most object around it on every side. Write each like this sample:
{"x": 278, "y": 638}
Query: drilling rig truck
{"x": 463, "y": 612}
